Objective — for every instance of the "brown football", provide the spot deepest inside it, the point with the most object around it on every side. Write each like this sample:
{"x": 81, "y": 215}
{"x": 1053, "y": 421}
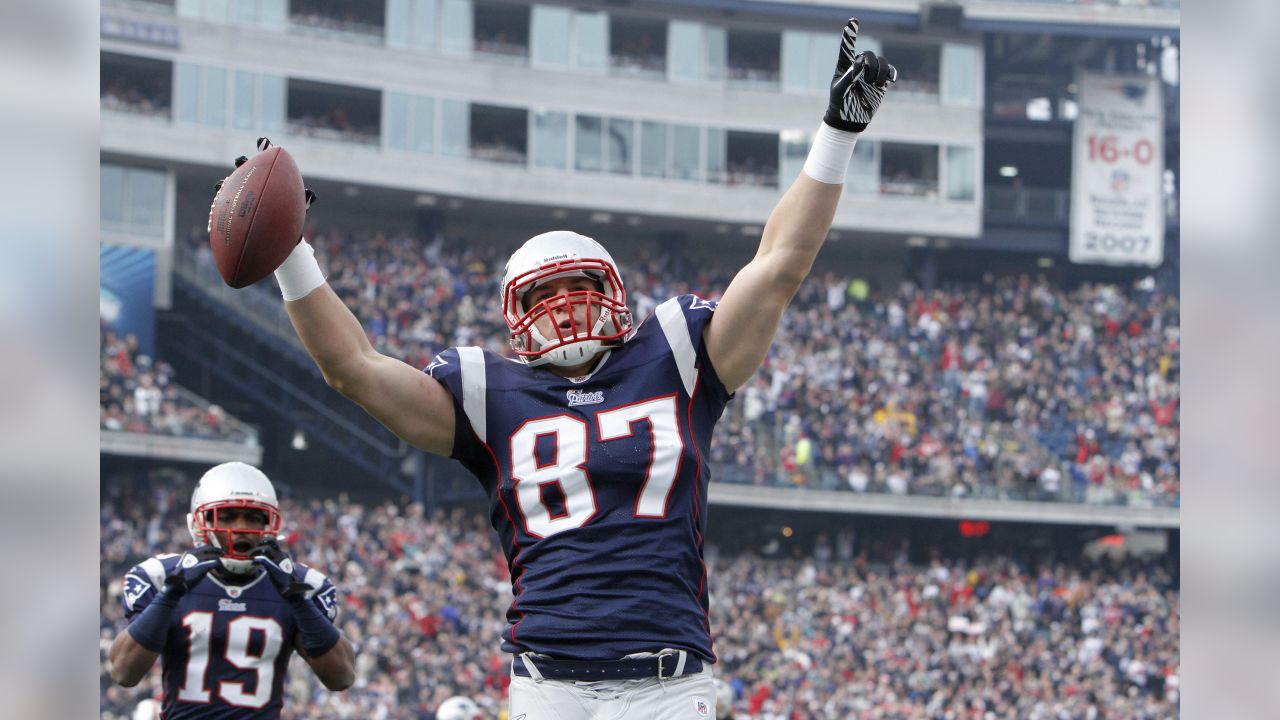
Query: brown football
{"x": 257, "y": 217}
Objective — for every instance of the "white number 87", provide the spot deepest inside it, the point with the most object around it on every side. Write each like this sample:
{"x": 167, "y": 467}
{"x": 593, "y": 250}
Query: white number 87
{"x": 567, "y": 467}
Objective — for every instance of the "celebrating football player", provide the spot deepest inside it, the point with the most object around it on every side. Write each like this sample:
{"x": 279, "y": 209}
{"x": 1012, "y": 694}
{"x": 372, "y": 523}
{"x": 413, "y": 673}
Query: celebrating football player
{"x": 592, "y": 446}
{"x": 225, "y": 615}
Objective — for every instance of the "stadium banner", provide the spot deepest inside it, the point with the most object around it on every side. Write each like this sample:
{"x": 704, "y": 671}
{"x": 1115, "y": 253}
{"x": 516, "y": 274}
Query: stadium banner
{"x": 1117, "y": 205}
{"x": 126, "y": 285}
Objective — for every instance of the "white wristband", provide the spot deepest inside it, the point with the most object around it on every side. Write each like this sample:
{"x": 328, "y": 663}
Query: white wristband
{"x": 828, "y": 159}
{"x": 300, "y": 273}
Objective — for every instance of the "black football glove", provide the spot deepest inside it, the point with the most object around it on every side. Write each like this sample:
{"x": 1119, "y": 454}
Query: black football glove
{"x": 272, "y": 558}
{"x": 858, "y": 85}
{"x": 263, "y": 144}
{"x": 191, "y": 568}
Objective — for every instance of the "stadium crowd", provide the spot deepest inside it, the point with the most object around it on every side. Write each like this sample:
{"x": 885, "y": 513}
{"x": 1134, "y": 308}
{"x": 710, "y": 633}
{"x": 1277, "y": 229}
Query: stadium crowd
{"x": 1010, "y": 388}
{"x": 138, "y": 395}
{"x": 840, "y": 629}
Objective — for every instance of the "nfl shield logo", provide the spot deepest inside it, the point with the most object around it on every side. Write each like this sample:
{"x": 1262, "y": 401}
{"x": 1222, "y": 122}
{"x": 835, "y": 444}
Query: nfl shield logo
{"x": 1120, "y": 182}
{"x": 703, "y": 709}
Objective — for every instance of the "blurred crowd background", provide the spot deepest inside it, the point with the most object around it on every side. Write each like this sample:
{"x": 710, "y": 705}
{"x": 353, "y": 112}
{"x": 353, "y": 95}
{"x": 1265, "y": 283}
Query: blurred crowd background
{"x": 1008, "y": 387}
{"x": 853, "y": 623}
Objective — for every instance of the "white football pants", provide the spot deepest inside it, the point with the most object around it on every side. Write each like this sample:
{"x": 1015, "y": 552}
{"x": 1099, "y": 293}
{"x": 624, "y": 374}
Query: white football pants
{"x": 689, "y": 697}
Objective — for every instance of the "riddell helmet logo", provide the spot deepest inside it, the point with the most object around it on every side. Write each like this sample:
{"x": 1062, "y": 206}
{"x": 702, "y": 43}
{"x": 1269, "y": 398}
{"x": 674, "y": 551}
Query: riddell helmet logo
{"x": 584, "y": 397}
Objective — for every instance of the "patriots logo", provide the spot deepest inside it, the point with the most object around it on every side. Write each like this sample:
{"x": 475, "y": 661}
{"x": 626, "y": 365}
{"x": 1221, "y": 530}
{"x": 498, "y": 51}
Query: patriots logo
{"x": 329, "y": 599}
{"x": 437, "y": 362}
{"x": 700, "y": 304}
{"x": 134, "y": 588}
{"x": 1120, "y": 182}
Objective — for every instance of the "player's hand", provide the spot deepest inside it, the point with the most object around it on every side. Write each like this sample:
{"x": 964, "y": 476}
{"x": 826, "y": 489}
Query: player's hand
{"x": 858, "y": 85}
{"x": 263, "y": 144}
{"x": 191, "y": 568}
{"x": 272, "y": 558}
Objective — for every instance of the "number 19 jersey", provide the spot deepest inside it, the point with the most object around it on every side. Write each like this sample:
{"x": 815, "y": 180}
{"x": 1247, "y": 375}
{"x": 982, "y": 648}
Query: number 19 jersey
{"x": 598, "y": 487}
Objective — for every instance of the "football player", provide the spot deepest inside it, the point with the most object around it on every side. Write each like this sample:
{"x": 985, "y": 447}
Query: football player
{"x": 459, "y": 708}
{"x": 225, "y": 616}
{"x": 591, "y": 445}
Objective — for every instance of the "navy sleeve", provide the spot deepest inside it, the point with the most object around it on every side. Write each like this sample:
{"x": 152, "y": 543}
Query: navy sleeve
{"x": 323, "y": 592}
{"x": 697, "y": 315}
{"x": 468, "y": 449}
{"x": 142, "y": 582}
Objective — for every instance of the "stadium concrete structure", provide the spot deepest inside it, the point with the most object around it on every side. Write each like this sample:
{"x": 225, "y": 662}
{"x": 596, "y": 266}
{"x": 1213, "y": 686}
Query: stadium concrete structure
{"x": 673, "y": 123}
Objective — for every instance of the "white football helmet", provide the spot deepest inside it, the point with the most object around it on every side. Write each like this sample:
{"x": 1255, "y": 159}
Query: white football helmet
{"x": 459, "y": 708}
{"x": 558, "y": 254}
{"x": 228, "y": 485}
{"x": 724, "y": 698}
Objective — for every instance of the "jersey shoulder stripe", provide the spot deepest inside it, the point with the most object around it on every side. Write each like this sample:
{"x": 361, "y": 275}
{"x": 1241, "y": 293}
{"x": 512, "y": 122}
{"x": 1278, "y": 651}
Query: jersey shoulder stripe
{"x": 671, "y": 317}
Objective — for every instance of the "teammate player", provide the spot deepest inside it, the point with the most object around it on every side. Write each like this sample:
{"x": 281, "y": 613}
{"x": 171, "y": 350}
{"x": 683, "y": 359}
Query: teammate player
{"x": 225, "y": 615}
{"x": 591, "y": 443}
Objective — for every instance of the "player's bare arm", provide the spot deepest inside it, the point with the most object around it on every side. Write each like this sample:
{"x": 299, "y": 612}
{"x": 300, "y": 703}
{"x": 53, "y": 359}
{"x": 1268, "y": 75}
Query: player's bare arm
{"x": 748, "y": 315}
{"x": 407, "y": 401}
{"x": 336, "y": 669}
{"x": 130, "y": 662}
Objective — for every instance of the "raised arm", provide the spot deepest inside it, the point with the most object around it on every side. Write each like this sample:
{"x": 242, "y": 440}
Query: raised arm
{"x": 411, "y": 403}
{"x": 739, "y": 335}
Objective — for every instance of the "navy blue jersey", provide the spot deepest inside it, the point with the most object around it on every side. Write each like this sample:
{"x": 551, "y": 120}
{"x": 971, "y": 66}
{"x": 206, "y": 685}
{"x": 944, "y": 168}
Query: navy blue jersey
{"x": 228, "y": 645}
{"x": 598, "y": 487}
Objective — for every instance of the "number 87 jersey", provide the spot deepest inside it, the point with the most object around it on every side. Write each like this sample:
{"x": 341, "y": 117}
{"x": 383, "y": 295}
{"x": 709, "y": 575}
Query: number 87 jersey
{"x": 597, "y": 487}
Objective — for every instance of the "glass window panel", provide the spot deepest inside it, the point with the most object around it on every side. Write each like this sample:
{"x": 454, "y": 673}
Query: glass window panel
{"x": 685, "y": 155}
{"x": 684, "y": 50}
{"x": 549, "y": 31}
{"x": 398, "y": 22}
{"x": 217, "y": 10}
{"x": 422, "y": 34}
{"x": 716, "y": 52}
{"x": 550, "y": 139}
{"x": 455, "y": 26}
{"x": 959, "y": 74}
{"x": 653, "y": 149}
{"x": 424, "y": 124}
{"x": 213, "y": 96}
{"x": 271, "y": 93}
{"x": 186, "y": 92}
{"x": 619, "y": 141}
{"x": 111, "y": 181}
{"x": 454, "y": 122}
{"x": 145, "y": 210}
{"x": 591, "y": 40}
{"x": 246, "y": 11}
{"x": 397, "y": 127}
{"x": 823, "y": 49}
{"x": 587, "y": 140}
{"x": 795, "y": 150}
{"x": 716, "y": 153}
{"x": 272, "y": 13}
{"x": 864, "y": 169}
{"x": 962, "y": 163}
{"x": 795, "y": 61}
{"x": 246, "y": 100}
